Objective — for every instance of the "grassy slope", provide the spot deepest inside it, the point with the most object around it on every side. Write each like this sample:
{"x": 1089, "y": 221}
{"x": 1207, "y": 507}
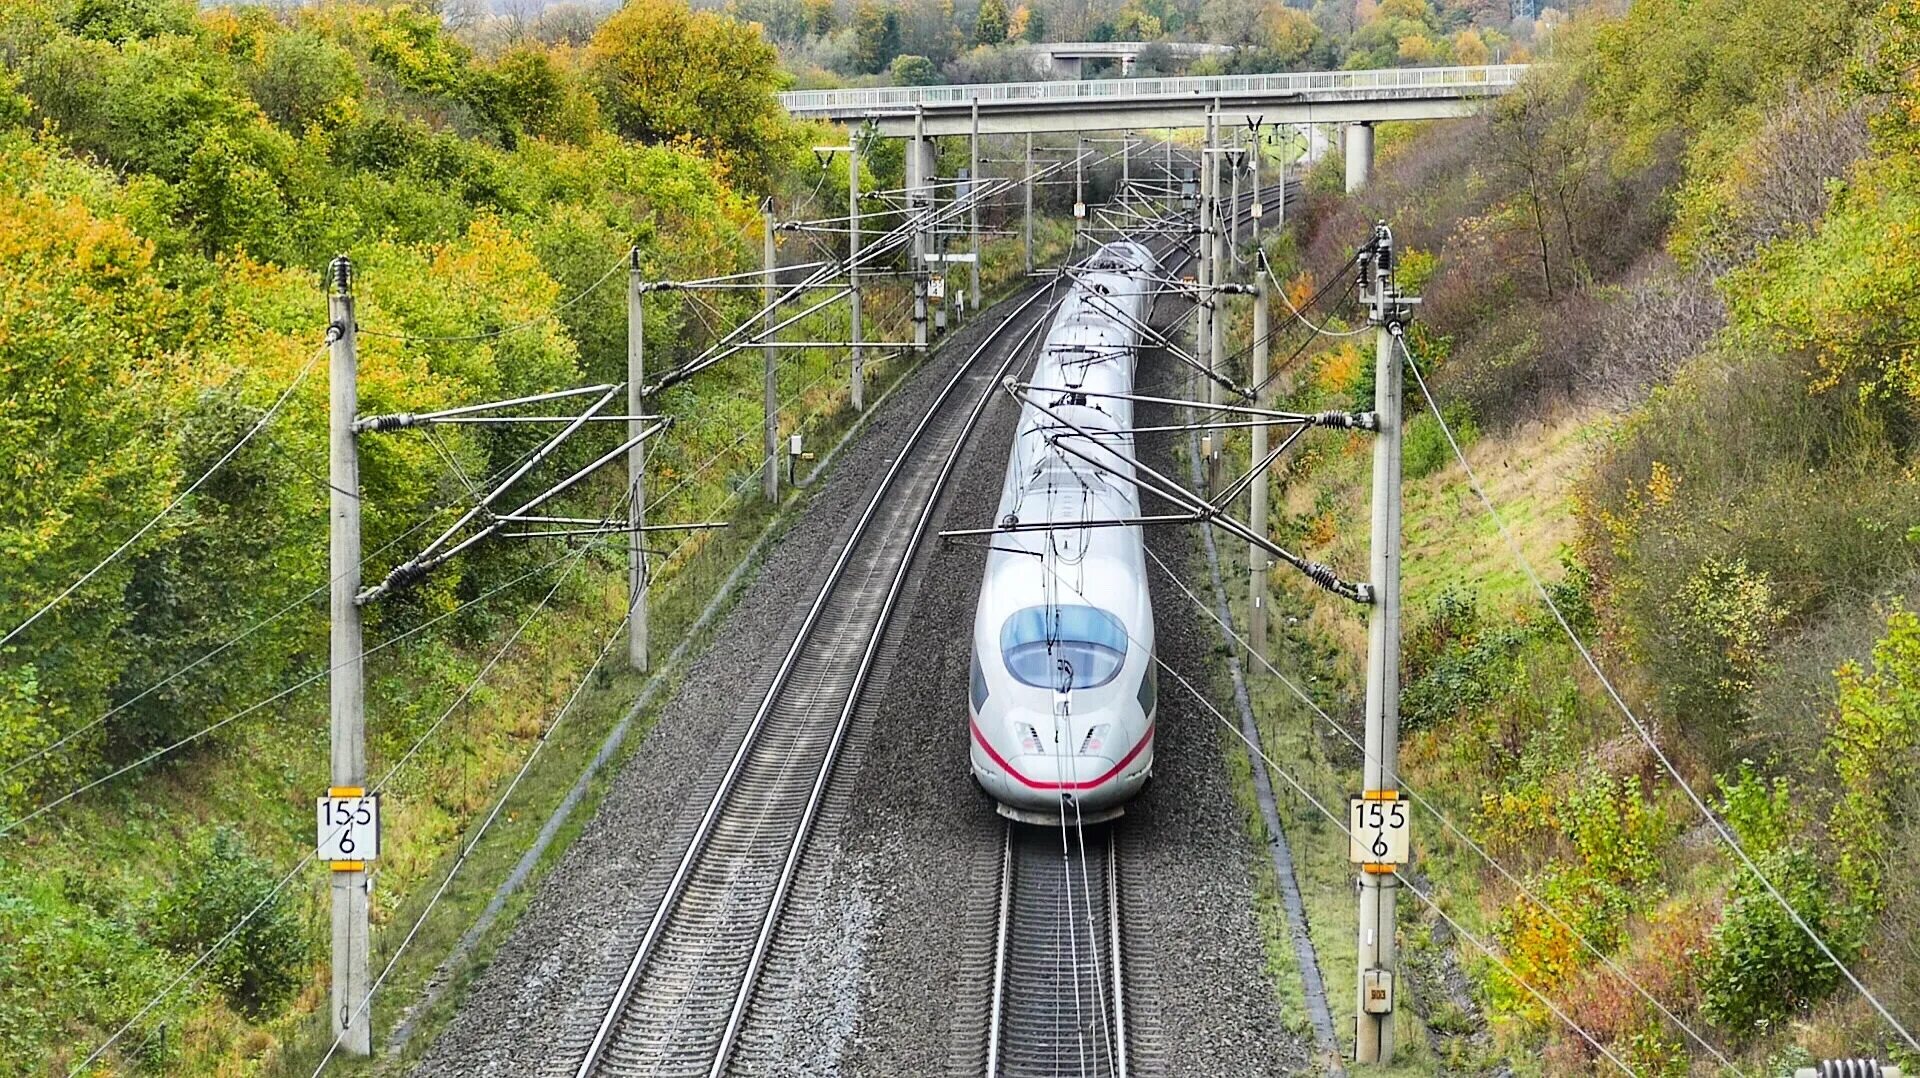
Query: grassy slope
{"x": 110, "y": 855}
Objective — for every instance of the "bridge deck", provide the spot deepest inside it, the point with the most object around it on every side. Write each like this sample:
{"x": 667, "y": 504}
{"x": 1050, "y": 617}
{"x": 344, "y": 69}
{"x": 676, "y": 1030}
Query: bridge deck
{"x": 1108, "y": 104}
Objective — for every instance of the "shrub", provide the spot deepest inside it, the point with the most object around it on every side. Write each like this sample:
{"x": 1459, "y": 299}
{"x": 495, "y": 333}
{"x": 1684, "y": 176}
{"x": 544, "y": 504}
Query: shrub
{"x": 1873, "y": 746}
{"x": 913, "y": 71}
{"x": 302, "y": 76}
{"x": 1456, "y": 663}
{"x": 1653, "y": 1052}
{"x": 1761, "y": 814}
{"x": 1425, "y": 450}
{"x": 265, "y": 961}
{"x": 1615, "y": 829}
{"x": 1546, "y": 953}
{"x": 1761, "y": 967}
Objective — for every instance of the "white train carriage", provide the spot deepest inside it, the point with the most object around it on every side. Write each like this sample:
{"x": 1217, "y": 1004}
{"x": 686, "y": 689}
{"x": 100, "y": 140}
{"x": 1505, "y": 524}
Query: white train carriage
{"x": 1063, "y": 686}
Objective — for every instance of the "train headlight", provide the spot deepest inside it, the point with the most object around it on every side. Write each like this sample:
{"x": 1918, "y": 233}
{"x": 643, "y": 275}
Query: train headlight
{"x": 1028, "y": 737}
{"x": 1095, "y": 739}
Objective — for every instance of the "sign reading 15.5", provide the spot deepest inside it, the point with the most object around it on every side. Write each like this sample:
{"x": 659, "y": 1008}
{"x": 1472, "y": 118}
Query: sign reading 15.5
{"x": 348, "y": 828}
{"x": 1379, "y": 831}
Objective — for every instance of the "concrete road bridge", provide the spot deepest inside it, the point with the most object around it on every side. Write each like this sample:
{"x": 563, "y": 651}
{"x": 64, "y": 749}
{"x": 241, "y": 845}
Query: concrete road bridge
{"x": 1356, "y": 99}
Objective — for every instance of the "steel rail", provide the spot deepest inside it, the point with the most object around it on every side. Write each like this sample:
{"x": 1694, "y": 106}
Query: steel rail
{"x": 1035, "y": 969}
{"x": 716, "y": 808}
{"x": 1012, "y": 991}
{"x": 744, "y": 997}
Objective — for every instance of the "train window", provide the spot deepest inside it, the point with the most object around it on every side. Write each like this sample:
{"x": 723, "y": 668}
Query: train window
{"x": 979, "y": 684}
{"x": 1149, "y": 688}
{"x": 1036, "y": 641}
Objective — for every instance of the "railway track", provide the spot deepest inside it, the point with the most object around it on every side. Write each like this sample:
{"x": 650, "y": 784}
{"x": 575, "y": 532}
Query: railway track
{"x": 1059, "y": 977}
{"x": 1058, "y": 996}
{"x": 688, "y": 986}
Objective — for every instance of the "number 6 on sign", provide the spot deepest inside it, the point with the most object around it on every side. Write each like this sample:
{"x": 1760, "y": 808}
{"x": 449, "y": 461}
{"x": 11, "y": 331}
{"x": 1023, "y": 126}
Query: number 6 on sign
{"x": 1378, "y": 830}
{"x": 347, "y": 823}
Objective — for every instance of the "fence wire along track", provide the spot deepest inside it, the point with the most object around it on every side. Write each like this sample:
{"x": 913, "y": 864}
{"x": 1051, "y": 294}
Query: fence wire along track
{"x": 689, "y": 984}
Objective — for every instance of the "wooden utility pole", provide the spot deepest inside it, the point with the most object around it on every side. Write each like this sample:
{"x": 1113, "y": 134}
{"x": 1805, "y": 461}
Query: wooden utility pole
{"x": 636, "y": 468}
{"x": 352, "y": 1010}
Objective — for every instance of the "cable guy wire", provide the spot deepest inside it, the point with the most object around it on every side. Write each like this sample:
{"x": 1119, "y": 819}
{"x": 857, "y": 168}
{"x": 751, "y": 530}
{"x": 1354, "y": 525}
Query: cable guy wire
{"x": 1425, "y": 898}
{"x": 1398, "y": 781}
{"x": 1725, "y": 833}
{"x": 14, "y": 825}
{"x": 259, "y": 425}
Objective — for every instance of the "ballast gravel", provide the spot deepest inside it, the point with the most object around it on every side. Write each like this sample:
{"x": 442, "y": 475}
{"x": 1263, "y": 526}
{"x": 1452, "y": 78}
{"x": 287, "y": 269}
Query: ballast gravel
{"x": 882, "y": 958}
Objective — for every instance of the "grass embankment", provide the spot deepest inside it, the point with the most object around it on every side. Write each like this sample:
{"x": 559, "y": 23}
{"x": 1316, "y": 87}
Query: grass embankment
{"x": 1662, "y": 321}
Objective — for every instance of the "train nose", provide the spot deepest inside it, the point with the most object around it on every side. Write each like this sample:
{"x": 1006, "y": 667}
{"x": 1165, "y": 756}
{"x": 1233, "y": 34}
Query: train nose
{"x": 1054, "y": 772}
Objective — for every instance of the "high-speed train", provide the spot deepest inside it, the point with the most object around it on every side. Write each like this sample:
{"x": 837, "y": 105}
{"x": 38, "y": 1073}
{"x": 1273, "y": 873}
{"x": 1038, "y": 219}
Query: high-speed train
{"x": 1063, "y": 685}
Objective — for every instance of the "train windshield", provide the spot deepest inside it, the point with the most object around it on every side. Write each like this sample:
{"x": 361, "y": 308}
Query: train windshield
{"x": 1090, "y": 642}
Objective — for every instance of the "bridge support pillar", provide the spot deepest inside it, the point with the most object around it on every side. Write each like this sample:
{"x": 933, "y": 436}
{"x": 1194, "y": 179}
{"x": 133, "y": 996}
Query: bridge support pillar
{"x": 1359, "y": 155}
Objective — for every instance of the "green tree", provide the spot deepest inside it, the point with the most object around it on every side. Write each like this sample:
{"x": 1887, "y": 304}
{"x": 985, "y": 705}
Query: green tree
{"x": 124, "y": 20}
{"x": 302, "y": 78}
{"x": 991, "y": 27}
{"x": 876, "y": 36}
{"x": 224, "y": 884}
{"x": 668, "y": 74}
{"x": 820, "y": 19}
{"x": 914, "y": 71}
{"x": 1036, "y": 28}
{"x": 1134, "y": 23}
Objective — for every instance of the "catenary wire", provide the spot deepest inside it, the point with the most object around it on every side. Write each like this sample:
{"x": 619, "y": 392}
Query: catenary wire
{"x": 14, "y": 825}
{"x": 1398, "y": 781}
{"x": 1424, "y": 897}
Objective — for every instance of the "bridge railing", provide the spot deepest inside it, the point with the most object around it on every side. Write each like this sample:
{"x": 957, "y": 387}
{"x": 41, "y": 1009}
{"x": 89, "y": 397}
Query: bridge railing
{"x": 1446, "y": 81}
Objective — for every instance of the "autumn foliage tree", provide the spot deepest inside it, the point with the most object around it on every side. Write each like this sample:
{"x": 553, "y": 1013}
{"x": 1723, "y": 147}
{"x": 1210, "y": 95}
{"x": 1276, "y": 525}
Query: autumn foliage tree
{"x": 991, "y": 26}
{"x": 669, "y": 74}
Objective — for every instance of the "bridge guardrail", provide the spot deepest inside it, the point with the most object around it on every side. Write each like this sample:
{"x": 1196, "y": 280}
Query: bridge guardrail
{"x": 1465, "y": 81}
